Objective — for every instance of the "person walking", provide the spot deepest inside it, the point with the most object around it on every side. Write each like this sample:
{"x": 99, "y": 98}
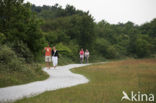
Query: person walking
{"x": 81, "y": 55}
{"x": 55, "y": 57}
{"x": 86, "y": 55}
{"x": 47, "y": 56}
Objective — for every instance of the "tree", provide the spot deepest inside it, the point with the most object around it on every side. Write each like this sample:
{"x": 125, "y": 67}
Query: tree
{"x": 143, "y": 48}
{"x": 18, "y": 23}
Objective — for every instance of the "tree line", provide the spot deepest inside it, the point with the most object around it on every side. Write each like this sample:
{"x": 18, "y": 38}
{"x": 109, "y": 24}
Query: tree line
{"x": 26, "y": 29}
{"x": 75, "y": 28}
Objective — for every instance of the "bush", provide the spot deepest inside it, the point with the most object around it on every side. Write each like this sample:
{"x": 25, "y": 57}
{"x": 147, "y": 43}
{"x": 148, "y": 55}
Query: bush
{"x": 2, "y": 38}
{"x": 14, "y": 70}
{"x": 22, "y": 51}
{"x": 64, "y": 49}
{"x": 9, "y": 60}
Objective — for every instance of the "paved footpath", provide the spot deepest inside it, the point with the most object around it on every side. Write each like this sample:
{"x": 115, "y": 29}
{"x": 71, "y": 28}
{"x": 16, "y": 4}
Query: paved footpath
{"x": 61, "y": 77}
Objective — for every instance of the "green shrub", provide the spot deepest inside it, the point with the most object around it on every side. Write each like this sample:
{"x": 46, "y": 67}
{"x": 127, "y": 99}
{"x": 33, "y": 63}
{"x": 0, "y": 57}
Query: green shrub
{"x": 14, "y": 70}
{"x": 2, "y": 38}
{"x": 64, "y": 49}
{"x": 75, "y": 48}
{"x": 9, "y": 60}
{"x": 22, "y": 51}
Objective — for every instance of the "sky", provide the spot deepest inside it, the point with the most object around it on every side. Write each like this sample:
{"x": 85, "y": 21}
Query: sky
{"x": 112, "y": 11}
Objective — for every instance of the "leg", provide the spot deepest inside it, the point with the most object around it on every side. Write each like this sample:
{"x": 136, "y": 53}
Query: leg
{"x": 86, "y": 59}
{"x": 49, "y": 65}
{"x": 54, "y": 61}
{"x": 81, "y": 60}
{"x": 47, "y": 61}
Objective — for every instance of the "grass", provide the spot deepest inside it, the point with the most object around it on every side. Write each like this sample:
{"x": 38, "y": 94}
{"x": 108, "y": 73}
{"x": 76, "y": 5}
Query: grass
{"x": 63, "y": 60}
{"x": 32, "y": 73}
{"x": 107, "y": 81}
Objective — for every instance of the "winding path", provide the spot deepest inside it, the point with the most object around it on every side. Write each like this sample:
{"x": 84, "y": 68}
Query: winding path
{"x": 61, "y": 77}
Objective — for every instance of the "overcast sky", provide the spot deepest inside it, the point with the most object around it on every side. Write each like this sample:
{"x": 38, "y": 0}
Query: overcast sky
{"x": 113, "y": 11}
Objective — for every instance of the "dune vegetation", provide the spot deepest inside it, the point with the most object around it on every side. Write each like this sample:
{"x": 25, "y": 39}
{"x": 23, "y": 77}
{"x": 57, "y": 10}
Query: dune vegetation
{"x": 107, "y": 81}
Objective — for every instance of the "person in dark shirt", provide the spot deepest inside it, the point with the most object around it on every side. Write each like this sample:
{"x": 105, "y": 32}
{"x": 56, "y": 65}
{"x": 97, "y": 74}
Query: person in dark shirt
{"x": 54, "y": 57}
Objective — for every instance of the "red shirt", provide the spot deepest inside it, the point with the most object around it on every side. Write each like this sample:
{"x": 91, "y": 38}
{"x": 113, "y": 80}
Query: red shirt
{"x": 81, "y": 52}
{"x": 47, "y": 51}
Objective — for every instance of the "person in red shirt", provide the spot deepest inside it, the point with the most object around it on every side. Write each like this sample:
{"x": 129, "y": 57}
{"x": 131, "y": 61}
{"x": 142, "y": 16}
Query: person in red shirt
{"x": 81, "y": 55}
{"x": 47, "y": 56}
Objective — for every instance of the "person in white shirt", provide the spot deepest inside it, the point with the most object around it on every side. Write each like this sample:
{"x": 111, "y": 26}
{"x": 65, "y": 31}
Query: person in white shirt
{"x": 86, "y": 55}
{"x": 55, "y": 56}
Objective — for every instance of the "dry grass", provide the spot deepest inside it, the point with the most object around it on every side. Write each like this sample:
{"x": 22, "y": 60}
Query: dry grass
{"x": 107, "y": 81}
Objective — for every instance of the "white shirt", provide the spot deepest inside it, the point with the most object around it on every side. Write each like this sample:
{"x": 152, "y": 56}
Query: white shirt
{"x": 86, "y": 53}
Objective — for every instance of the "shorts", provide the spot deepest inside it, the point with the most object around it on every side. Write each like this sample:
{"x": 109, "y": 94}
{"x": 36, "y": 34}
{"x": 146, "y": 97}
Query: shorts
{"x": 47, "y": 58}
{"x": 81, "y": 56}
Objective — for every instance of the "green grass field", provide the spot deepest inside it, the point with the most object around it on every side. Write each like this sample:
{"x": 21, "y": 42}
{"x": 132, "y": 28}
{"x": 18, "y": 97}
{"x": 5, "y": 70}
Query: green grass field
{"x": 107, "y": 81}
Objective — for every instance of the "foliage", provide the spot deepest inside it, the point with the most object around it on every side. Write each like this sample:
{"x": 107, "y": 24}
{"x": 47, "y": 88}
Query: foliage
{"x": 28, "y": 28}
{"x": 18, "y": 23}
{"x": 25, "y": 29}
{"x": 14, "y": 70}
{"x": 2, "y": 38}
{"x": 63, "y": 49}
{"x": 143, "y": 47}
{"x": 22, "y": 51}
{"x": 9, "y": 60}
